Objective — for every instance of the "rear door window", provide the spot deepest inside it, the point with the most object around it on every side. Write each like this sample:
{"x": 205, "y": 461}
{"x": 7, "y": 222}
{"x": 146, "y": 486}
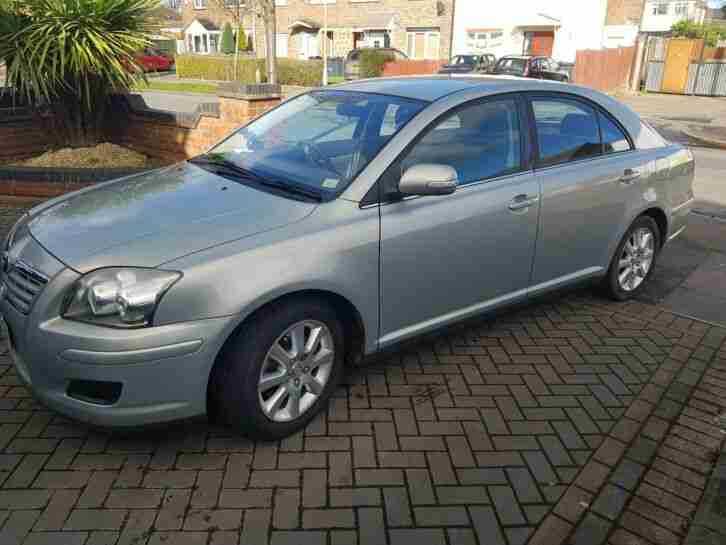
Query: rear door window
{"x": 567, "y": 130}
{"x": 613, "y": 137}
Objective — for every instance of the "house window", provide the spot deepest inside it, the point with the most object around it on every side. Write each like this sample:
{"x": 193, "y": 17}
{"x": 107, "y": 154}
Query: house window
{"x": 423, "y": 44}
{"x": 200, "y": 4}
{"x": 213, "y": 43}
{"x": 682, "y": 9}
{"x": 660, "y": 9}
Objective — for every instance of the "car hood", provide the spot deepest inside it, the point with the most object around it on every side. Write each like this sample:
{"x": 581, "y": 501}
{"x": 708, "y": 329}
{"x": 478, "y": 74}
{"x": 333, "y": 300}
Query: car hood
{"x": 153, "y": 218}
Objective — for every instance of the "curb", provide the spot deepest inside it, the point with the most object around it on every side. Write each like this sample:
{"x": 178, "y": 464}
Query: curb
{"x": 707, "y": 141}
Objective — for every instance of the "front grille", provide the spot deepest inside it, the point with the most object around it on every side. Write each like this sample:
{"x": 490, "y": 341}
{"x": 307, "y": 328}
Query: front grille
{"x": 23, "y": 285}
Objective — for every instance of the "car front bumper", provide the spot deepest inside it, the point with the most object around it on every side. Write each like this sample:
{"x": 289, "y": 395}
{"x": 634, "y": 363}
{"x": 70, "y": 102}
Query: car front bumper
{"x": 159, "y": 373}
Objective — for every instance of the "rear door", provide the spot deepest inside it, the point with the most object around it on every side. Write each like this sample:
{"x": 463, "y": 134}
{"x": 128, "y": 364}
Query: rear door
{"x": 444, "y": 258}
{"x": 589, "y": 172}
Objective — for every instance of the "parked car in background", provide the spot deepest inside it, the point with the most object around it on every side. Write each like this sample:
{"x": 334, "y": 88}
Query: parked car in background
{"x": 352, "y": 60}
{"x": 527, "y": 66}
{"x": 340, "y": 223}
{"x": 153, "y": 60}
{"x": 469, "y": 64}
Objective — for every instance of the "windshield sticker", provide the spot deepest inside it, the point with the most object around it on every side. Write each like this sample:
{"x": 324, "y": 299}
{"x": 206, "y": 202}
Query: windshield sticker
{"x": 330, "y": 183}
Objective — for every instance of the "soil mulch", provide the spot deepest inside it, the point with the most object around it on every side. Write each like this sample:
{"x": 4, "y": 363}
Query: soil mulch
{"x": 100, "y": 156}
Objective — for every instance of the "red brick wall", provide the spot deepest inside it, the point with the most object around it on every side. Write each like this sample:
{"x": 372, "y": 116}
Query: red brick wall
{"x": 24, "y": 136}
{"x": 174, "y": 142}
{"x": 158, "y": 137}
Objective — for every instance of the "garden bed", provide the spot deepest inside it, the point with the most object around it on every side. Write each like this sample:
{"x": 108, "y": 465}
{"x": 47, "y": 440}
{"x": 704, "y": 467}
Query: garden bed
{"x": 105, "y": 156}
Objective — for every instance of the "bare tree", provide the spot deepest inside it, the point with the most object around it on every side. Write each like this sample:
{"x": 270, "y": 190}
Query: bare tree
{"x": 265, "y": 10}
{"x": 236, "y": 9}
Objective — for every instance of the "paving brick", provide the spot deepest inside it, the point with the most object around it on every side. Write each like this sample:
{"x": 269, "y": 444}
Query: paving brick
{"x": 206, "y": 493}
{"x": 486, "y": 526}
{"x": 97, "y": 489}
{"x": 271, "y": 478}
{"x": 573, "y": 504}
{"x": 174, "y": 507}
{"x": 355, "y": 497}
{"x": 643, "y": 527}
{"x": 553, "y": 531}
{"x": 17, "y": 526}
{"x": 287, "y": 506}
{"x": 627, "y": 474}
{"x": 610, "y": 502}
{"x": 169, "y": 479}
{"x": 255, "y": 526}
{"x": 592, "y": 529}
{"x": 524, "y": 485}
{"x": 506, "y": 505}
{"x": 55, "y": 514}
{"x": 134, "y": 498}
{"x": 328, "y": 518}
{"x": 441, "y": 516}
{"x": 56, "y": 538}
{"x": 95, "y": 519}
{"x": 402, "y": 459}
{"x": 398, "y": 509}
{"x": 371, "y": 527}
{"x": 179, "y": 538}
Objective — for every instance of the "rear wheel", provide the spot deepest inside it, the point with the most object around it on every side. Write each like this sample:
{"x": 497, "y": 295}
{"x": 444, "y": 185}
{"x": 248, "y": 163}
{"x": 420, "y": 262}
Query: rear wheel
{"x": 280, "y": 369}
{"x": 634, "y": 260}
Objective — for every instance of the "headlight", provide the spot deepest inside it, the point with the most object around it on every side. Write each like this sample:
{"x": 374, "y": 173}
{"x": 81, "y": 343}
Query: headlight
{"x": 12, "y": 235}
{"x": 118, "y": 297}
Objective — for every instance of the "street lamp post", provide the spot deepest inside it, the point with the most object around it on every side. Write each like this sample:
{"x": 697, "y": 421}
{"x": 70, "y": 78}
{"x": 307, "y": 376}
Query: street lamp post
{"x": 325, "y": 43}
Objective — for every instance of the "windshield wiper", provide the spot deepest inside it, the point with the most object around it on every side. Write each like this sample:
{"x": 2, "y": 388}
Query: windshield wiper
{"x": 249, "y": 176}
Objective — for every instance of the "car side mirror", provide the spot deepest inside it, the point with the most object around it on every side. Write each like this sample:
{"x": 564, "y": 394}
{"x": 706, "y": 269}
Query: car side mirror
{"x": 429, "y": 179}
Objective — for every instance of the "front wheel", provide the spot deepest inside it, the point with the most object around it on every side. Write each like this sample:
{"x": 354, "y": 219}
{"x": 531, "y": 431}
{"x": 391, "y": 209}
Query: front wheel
{"x": 634, "y": 260}
{"x": 280, "y": 369}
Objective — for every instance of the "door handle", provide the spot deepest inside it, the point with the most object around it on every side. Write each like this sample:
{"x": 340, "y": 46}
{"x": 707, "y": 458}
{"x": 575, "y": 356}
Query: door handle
{"x": 520, "y": 202}
{"x": 629, "y": 176}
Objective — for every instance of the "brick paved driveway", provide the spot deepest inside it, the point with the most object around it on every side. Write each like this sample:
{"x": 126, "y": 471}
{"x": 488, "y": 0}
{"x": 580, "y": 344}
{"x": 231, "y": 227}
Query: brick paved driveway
{"x": 574, "y": 420}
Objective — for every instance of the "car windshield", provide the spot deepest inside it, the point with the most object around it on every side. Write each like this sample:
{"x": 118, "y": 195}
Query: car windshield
{"x": 317, "y": 142}
{"x": 464, "y": 59}
{"x": 511, "y": 65}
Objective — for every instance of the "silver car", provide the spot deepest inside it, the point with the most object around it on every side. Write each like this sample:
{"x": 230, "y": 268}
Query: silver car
{"x": 346, "y": 220}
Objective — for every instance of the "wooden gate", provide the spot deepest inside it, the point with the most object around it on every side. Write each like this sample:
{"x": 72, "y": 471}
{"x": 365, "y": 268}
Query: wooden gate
{"x": 678, "y": 60}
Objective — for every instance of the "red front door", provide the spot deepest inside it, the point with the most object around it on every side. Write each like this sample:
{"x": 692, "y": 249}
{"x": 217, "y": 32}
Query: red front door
{"x": 540, "y": 43}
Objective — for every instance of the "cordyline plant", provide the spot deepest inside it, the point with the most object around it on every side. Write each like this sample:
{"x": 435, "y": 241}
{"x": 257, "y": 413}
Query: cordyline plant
{"x": 68, "y": 56}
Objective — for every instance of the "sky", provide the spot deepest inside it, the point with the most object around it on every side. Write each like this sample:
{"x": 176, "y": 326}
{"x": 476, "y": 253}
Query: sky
{"x": 716, "y": 3}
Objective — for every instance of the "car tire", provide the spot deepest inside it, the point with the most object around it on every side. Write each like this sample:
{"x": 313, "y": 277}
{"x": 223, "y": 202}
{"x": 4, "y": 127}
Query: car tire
{"x": 267, "y": 410}
{"x": 634, "y": 260}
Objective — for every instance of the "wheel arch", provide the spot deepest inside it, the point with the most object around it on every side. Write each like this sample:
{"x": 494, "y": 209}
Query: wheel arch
{"x": 660, "y": 218}
{"x": 349, "y": 315}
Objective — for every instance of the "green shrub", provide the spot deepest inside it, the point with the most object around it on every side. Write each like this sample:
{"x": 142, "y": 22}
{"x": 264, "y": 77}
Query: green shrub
{"x": 290, "y": 71}
{"x": 227, "y": 45}
{"x": 372, "y": 62}
{"x": 218, "y": 68}
{"x": 711, "y": 33}
{"x": 298, "y": 72}
{"x": 242, "y": 40}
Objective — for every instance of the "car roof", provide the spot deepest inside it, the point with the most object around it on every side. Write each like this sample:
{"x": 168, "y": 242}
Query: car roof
{"x": 434, "y": 87}
{"x": 438, "y": 87}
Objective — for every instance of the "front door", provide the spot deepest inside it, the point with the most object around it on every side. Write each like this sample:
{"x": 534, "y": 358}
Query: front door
{"x": 448, "y": 257}
{"x": 539, "y": 43}
{"x": 587, "y": 182}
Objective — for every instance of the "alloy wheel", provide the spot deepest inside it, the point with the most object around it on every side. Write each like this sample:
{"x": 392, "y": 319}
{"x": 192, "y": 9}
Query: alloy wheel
{"x": 636, "y": 259}
{"x": 296, "y": 370}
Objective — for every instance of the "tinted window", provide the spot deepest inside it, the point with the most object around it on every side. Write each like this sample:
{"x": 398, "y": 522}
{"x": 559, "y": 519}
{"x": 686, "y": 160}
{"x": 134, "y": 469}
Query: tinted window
{"x": 511, "y": 65}
{"x": 613, "y": 138}
{"x": 479, "y": 141}
{"x": 566, "y": 131}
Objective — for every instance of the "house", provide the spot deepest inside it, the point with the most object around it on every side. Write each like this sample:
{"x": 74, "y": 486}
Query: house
{"x": 557, "y": 28}
{"x": 420, "y": 28}
{"x": 626, "y": 18}
{"x": 659, "y": 16}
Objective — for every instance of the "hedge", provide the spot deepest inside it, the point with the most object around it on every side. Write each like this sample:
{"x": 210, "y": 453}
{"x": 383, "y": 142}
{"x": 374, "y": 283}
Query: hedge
{"x": 373, "y": 61}
{"x": 290, "y": 71}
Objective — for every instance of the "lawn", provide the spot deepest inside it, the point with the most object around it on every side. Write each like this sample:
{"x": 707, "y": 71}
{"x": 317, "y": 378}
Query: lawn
{"x": 176, "y": 87}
